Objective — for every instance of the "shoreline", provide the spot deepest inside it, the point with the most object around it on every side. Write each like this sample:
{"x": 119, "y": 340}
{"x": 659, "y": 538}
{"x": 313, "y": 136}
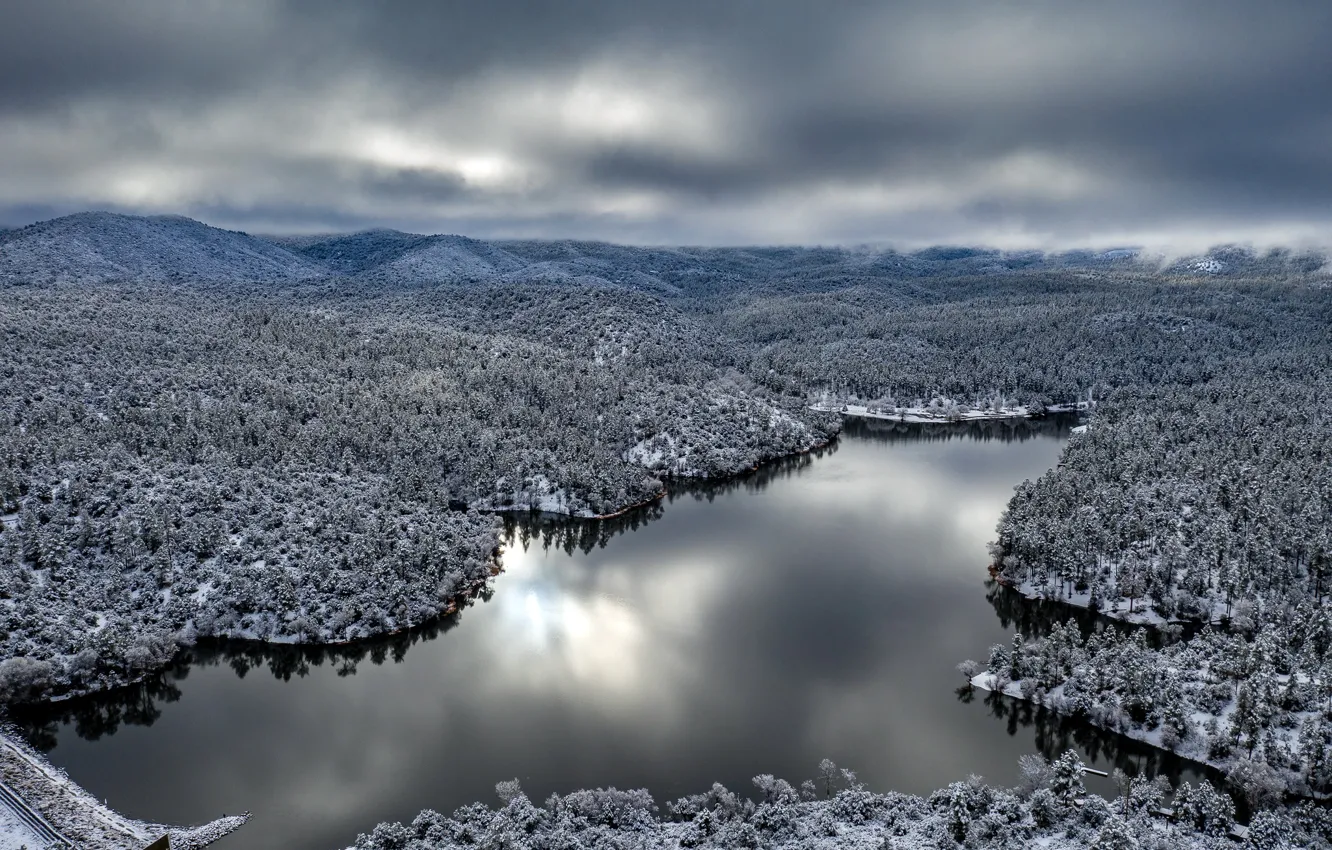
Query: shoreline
{"x": 51, "y": 803}
{"x": 987, "y": 681}
{"x": 518, "y": 510}
{"x": 453, "y": 605}
{"x": 926, "y": 416}
{"x": 667, "y": 479}
{"x": 1144, "y": 617}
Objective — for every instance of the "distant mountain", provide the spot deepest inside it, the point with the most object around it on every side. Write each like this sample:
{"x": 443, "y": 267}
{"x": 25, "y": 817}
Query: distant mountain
{"x": 447, "y": 258}
{"x": 405, "y": 257}
{"x": 1236, "y": 261}
{"x": 101, "y": 246}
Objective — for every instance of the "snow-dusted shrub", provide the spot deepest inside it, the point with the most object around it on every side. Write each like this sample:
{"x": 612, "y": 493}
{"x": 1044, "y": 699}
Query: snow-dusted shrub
{"x": 25, "y": 679}
{"x": 1258, "y": 783}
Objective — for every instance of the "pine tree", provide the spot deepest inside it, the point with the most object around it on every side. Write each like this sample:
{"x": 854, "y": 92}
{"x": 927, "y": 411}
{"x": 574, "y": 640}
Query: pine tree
{"x": 1066, "y": 776}
{"x": 1016, "y": 659}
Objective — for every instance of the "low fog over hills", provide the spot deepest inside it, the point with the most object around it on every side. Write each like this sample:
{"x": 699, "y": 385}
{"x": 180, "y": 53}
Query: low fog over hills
{"x": 99, "y": 246}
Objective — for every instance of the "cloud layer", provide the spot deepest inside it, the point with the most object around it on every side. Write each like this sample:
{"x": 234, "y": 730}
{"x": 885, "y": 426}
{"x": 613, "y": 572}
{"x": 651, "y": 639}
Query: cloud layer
{"x": 1013, "y": 124}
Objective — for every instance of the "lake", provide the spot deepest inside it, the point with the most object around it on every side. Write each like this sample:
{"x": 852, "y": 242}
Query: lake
{"x": 816, "y": 608}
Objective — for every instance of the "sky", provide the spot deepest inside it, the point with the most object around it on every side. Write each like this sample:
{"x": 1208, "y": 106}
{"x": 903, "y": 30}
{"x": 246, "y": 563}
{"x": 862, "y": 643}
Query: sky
{"x": 1010, "y": 124}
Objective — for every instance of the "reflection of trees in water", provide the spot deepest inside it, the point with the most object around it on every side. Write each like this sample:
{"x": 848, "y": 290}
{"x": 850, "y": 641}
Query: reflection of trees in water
{"x": 1056, "y": 734}
{"x": 103, "y": 713}
{"x": 752, "y": 482}
{"x": 1036, "y": 617}
{"x": 1005, "y": 430}
{"x": 562, "y": 532}
{"x": 572, "y": 534}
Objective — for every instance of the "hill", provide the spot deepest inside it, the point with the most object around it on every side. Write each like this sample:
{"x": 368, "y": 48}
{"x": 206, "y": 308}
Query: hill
{"x": 102, "y": 246}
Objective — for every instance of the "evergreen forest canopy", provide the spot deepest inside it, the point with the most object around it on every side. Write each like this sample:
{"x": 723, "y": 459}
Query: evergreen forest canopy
{"x": 1049, "y": 808}
{"x": 205, "y": 433}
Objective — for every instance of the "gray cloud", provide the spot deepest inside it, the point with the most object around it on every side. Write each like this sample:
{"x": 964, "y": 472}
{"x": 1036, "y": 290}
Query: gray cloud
{"x": 1034, "y": 123}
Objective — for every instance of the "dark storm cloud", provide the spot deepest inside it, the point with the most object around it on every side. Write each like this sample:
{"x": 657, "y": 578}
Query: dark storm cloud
{"x": 1010, "y": 123}
{"x": 52, "y": 51}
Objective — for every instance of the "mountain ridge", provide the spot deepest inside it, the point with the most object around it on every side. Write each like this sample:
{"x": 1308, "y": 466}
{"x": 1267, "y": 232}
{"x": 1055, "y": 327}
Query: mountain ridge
{"x": 114, "y": 247}
{"x": 106, "y": 246}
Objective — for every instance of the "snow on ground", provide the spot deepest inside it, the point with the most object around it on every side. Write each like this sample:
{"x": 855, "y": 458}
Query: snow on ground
{"x": 989, "y": 682}
{"x": 1195, "y": 744}
{"x": 535, "y": 493}
{"x": 205, "y": 589}
{"x": 657, "y": 452}
{"x": 14, "y": 835}
{"x": 195, "y": 838}
{"x": 1054, "y": 698}
{"x": 78, "y": 816}
{"x": 1143, "y": 614}
{"x": 923, "y": 415}
{"x": 727, "y": 434}
{"x": 1114, "y": 607}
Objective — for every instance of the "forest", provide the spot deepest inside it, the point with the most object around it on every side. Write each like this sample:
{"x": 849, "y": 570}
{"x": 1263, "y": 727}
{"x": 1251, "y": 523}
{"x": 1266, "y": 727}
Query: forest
{"x": 206, "y": 434}
{"x": 180, "y": 464}
{"x": 1201, "y": 511}
{"x": 1050, "y": 808}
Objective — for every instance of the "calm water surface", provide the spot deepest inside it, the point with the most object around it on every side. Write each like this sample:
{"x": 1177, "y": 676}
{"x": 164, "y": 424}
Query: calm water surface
{"x": 815, "y": 609}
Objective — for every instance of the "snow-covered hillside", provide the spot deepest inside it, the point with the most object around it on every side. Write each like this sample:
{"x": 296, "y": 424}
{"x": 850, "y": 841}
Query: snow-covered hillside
{"x": 448, "y": 258}
{"x": 394, "y": 256}
{"x": 100, "y": 246}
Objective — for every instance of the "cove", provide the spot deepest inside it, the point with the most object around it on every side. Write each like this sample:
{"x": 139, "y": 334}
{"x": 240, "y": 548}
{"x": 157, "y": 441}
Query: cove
{"x": 813, "y": 609}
